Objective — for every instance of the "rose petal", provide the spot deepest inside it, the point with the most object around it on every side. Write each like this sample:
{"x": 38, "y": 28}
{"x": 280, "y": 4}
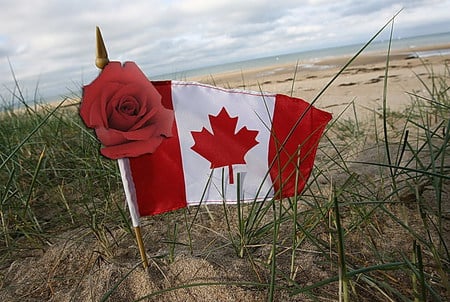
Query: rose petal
{"x": 164, "y": 122}
{"x": 93, "y": 106}
{"x": 161, "y": 123}
{"x": 147, "y": 118}
{"x": 110, "y": 137}
{"x": 141, "y": 134}
{"x": 132, "y": 149}
{"x": 92, "y": 109}
{"x": 142, "y": 128}
{"x": 123, "y": 121}
{"x": 148, "y": 106}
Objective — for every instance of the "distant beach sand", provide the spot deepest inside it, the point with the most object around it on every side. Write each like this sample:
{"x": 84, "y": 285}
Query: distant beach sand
{"x": 361, "y": 82}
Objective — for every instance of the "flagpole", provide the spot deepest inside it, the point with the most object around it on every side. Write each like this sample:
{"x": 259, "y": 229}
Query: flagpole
{"x": 130, "y": 196}
{"x": 101, "y": 61}
{"x": 137, "y": 233}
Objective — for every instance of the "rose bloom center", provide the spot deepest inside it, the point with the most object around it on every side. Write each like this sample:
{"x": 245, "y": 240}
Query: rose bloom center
{"x": 129, "y": 106}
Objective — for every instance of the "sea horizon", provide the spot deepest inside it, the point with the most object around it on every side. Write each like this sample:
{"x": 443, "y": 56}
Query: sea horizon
{"x": 309, "y": 58}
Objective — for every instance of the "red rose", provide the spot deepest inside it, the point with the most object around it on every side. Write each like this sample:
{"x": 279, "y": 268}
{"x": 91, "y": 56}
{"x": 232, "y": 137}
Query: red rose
{"x": 125, "y": 110}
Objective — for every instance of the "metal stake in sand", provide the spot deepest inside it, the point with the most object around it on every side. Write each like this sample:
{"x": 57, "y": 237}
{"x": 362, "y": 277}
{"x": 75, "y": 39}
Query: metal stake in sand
{"x": 130, "y": 194}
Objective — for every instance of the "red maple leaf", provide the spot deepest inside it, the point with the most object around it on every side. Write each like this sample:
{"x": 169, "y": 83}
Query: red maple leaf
{"x": 224, "y": 147}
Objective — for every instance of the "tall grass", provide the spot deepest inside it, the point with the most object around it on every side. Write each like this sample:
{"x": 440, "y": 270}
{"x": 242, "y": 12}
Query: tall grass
{"x": 51, "y": 177}
{"x": 371, "y": 224}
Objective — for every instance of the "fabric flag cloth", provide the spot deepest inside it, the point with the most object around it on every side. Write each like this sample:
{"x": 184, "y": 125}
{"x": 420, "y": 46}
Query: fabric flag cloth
{"x": 270, "y": 140}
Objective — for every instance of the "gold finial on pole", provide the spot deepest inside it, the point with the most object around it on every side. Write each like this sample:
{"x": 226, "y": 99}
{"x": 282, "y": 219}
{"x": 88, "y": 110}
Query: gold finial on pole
{"x": 102, "y": 55}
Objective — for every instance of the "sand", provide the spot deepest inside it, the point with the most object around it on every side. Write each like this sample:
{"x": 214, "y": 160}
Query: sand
{"x": 74, "y": 268}
{"x": 361, "y": 82}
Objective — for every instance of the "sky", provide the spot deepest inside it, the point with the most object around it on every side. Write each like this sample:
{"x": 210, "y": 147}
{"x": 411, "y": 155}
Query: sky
{"x": 49, "y": 45}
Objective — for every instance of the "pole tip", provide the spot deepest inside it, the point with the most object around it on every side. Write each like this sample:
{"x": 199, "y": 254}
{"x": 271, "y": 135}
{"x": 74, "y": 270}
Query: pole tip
{"x": 102, "y": 55}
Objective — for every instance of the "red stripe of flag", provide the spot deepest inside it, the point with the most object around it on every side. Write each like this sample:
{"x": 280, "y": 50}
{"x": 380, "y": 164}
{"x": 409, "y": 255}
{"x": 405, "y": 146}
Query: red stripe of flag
{"x": 158, "y": 177}
{"x": 296, "y": 131}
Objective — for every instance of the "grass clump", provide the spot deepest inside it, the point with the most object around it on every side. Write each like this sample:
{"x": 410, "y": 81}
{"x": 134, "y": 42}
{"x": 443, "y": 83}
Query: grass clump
{"x": 52, "y": 178}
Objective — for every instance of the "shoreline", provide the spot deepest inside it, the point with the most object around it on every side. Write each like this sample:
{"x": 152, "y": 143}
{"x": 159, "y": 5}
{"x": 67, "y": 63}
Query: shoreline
{"x": 330, "y": 62}
{"x": 362, "y": 81}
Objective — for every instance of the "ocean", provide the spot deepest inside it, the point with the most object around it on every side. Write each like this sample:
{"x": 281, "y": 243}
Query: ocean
{"x": 307, "y": 59}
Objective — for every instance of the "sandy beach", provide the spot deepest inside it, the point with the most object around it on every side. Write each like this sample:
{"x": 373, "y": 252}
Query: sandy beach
{"x": 361, "y": 82}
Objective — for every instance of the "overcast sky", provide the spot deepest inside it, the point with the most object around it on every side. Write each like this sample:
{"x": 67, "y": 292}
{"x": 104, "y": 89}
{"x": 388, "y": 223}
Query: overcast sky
{"x": 51, "y": 43}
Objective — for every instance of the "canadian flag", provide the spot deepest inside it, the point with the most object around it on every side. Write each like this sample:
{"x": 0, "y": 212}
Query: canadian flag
{"x": 227, "y": 145}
